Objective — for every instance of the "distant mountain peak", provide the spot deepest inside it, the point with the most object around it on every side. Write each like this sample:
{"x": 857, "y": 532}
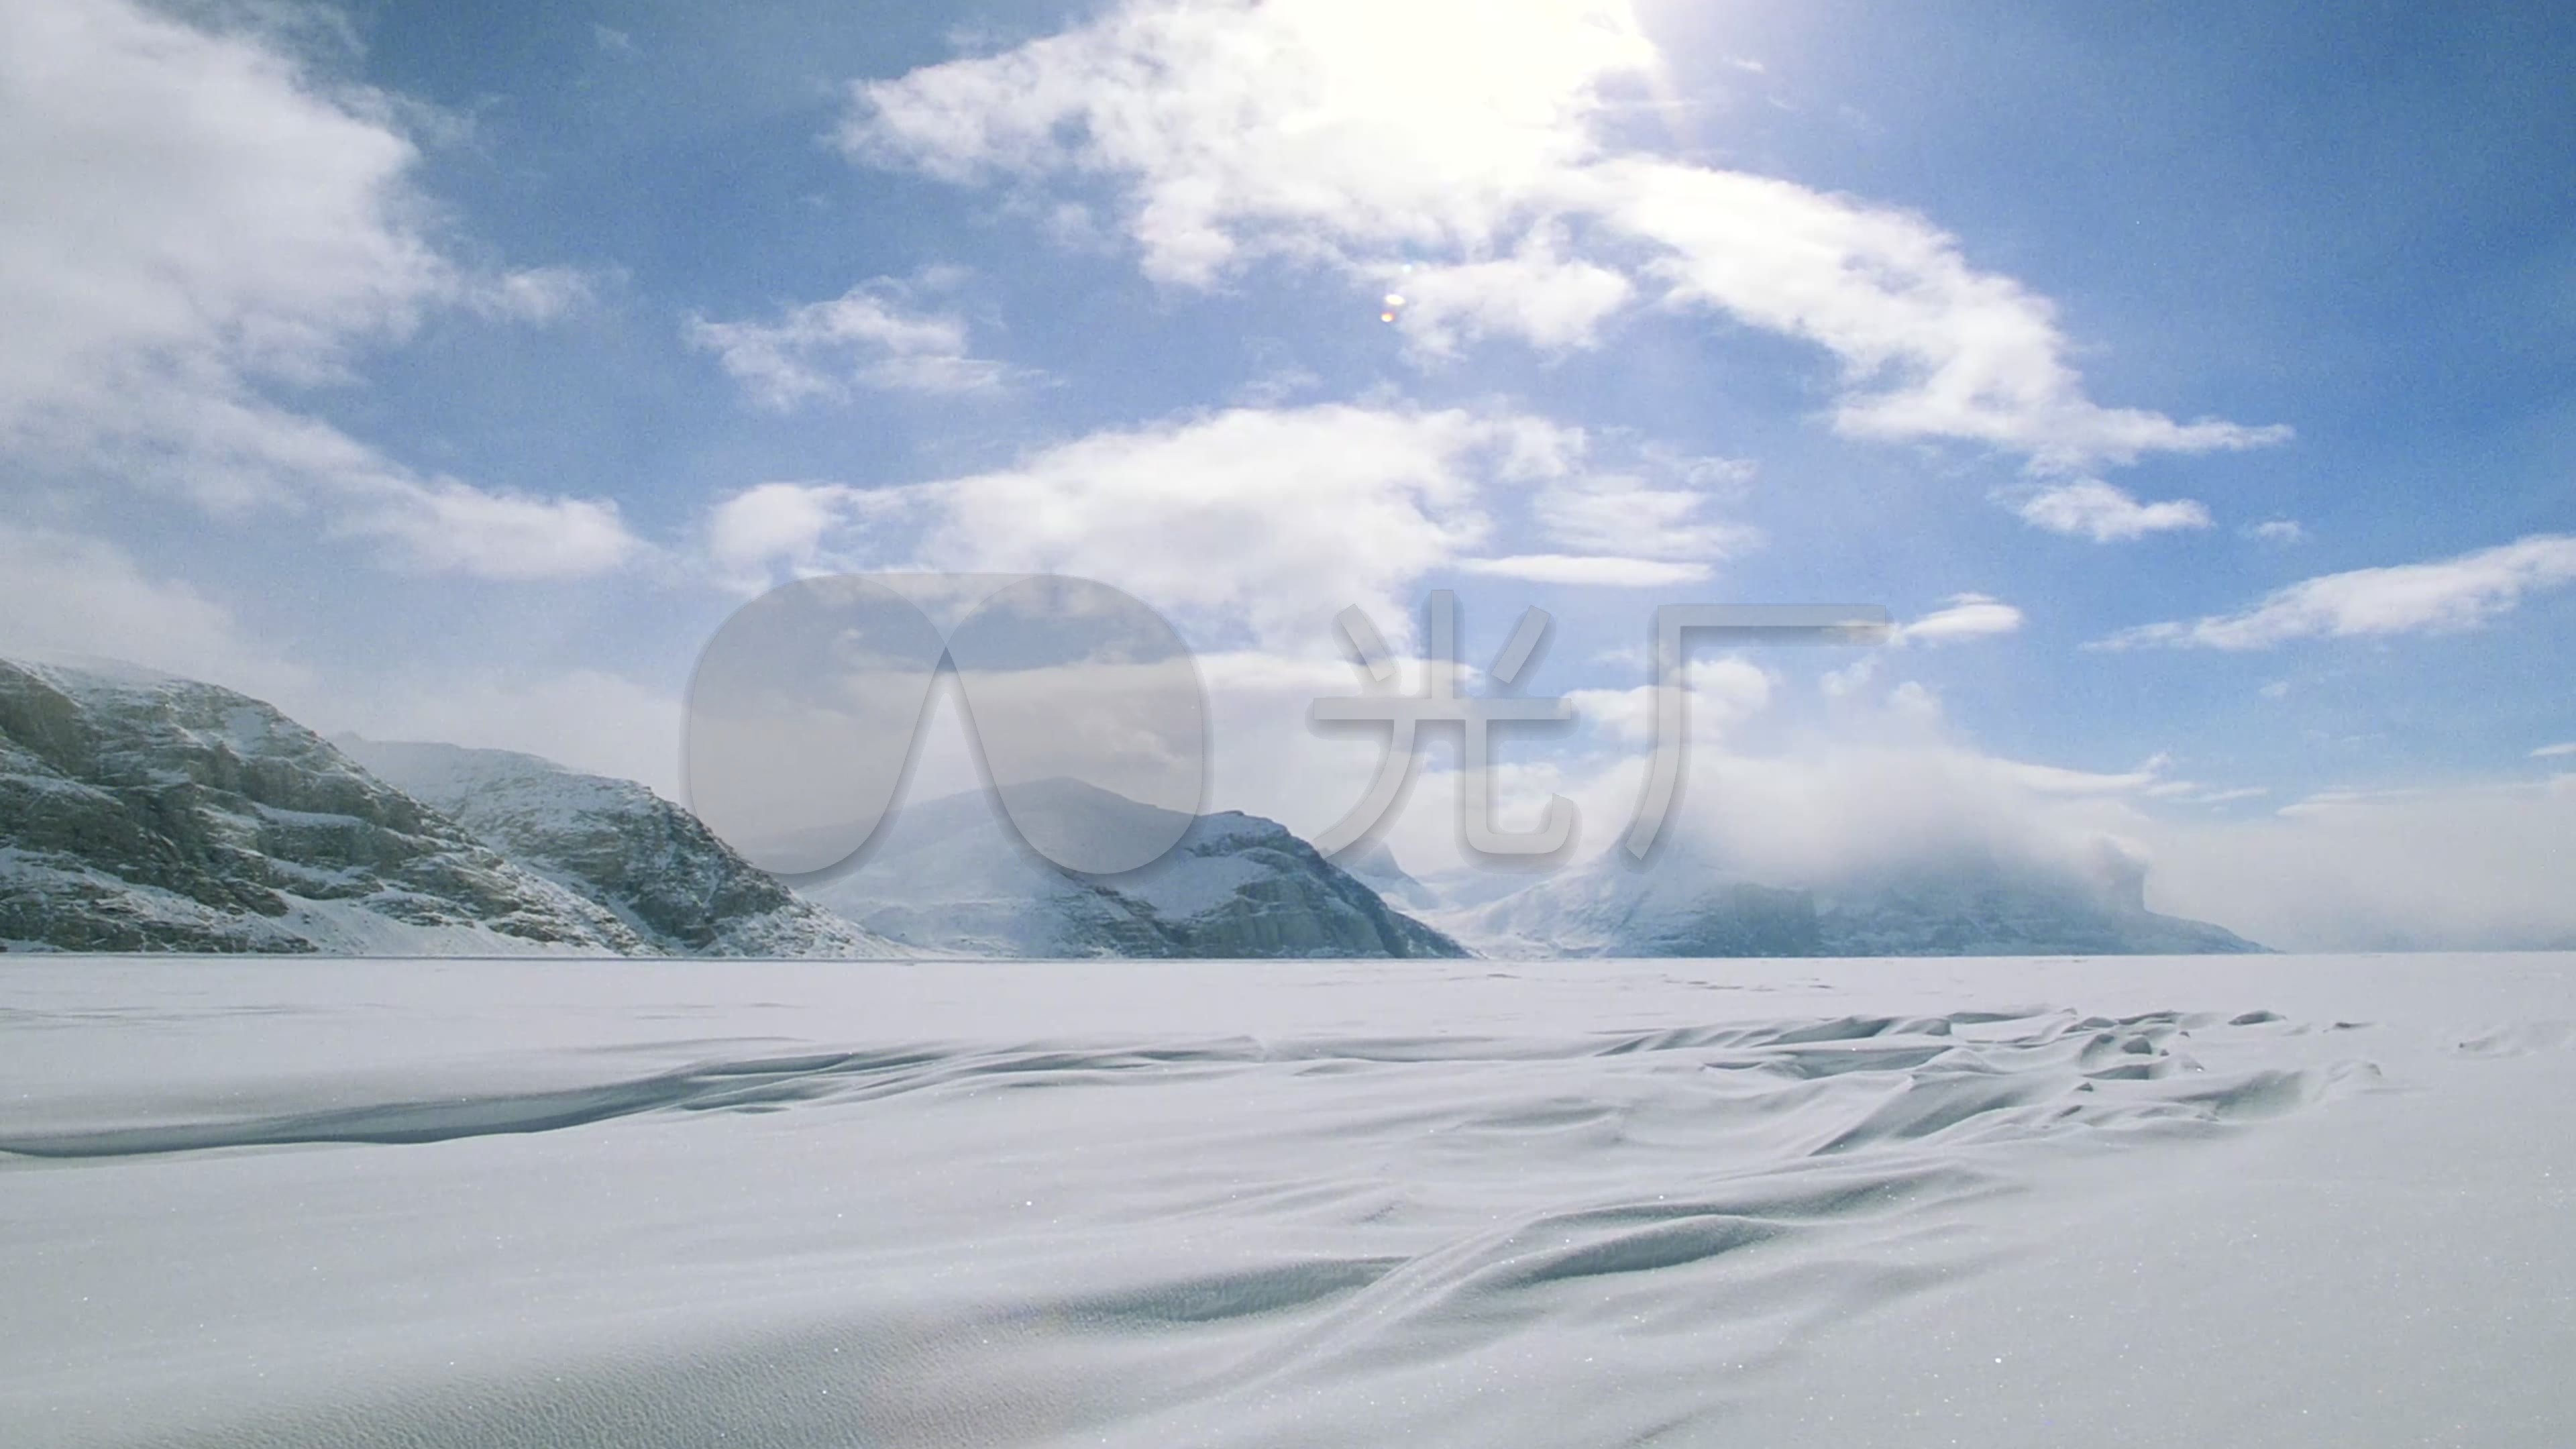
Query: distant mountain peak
{"x": 951, "y": 875}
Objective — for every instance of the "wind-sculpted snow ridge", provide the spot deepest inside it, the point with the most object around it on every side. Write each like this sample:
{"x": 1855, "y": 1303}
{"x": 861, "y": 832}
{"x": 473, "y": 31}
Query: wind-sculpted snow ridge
{"x": 1165, "y": 1244}
{"x": 1469, "y": 1204}
{"x": 1419, "y": 1215}
{"x": 1962, "y": 1077}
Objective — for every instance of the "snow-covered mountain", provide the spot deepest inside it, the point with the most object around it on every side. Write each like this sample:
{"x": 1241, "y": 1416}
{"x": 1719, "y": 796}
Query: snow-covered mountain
{"x": 140, "y": 812}
{"x": 655, "y": 866}
{"x": 1959, "y": 903}
{"x": 949, "y": 876}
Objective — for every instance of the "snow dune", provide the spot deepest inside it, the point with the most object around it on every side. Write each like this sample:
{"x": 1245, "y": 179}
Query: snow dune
{"x": 2271, "y": 1201}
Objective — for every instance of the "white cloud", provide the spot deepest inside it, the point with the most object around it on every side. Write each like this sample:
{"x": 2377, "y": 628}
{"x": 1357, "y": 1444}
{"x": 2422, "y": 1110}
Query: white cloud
{"x": 188, "y": 217}
{"x": 1930, "y": 347}
{"x": 2057, "y": 780}
{"x": 1592, "y": 511}
{"x": 2443, "y": 596}
{"x": 1724, "y": 693}
{"x": 2094, "y": 509}
{"x": 1605, "y": 570}
{"x": 66, "y": 595}
{"x": 1969, "y": 616}
{"x": 1267, "y": 521}
{"x": 443, "y": 526}
{"x": 1844, "y": 683}
{"x": 183, "y": 201}
{"x": 1467, "y": 138}
{"x": 588, "y": 719}
{"x": 534, "y": 294}
{"x": 1300, "y": 128}
{"x": 776, "y": 523}
{"x": 1255, "y": 524}
{"x": 1536, "y": 294}
{"x": 2553, "y": 752}
{"x": 872, "y": 336}
{"x": 2278, "y": 530}
{"x": 1246, "y": 524}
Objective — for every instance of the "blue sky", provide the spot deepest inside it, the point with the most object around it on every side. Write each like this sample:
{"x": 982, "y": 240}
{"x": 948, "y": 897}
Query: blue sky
{"x": 468, "y": 389}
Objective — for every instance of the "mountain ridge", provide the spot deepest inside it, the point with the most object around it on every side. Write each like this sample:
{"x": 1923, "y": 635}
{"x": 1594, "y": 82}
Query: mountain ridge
{"x": 649, "y": 862}
{"x": 1235, "y": 885}
{"x": 142, "y": 811}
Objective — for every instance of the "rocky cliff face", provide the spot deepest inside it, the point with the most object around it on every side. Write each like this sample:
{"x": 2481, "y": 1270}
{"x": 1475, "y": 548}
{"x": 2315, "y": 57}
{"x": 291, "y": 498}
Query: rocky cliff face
{"x": 140, "y": 812}
{"x": 653, "y": 865}
{"x": 951, "y": 877}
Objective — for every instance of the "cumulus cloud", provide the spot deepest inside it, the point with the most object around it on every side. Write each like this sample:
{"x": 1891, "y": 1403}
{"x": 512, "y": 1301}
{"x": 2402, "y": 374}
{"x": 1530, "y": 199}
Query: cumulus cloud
{"x": 191, "y": 217}
{"x": 1968, "y": 616}
{"x": 1552, "y": 301}
{"x": 1239, "y": 130}
{"x": 1263, "y": 523}
{"x": 872, "y": 336}
{"x": 773, "y": 524}
{"x": 1930, "y": 347}
{"x": 2094, "y": 509}
{"x": 2278, "y": 530}
{"x": 2440, "y": 597}
{"x": 1245, "y": 525}
{"x": 1469, "y": 139}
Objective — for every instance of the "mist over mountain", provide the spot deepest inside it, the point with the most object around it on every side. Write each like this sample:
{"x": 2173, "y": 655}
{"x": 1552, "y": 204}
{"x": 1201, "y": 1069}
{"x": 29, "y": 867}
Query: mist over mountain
{"x": 1958, "y": 900}
{"x": 142, "y": 812}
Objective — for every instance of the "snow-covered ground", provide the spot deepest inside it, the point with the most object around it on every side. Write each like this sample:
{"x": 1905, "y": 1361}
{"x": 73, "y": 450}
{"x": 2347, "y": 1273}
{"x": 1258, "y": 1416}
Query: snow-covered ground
{"x": 2240, "y": 1201}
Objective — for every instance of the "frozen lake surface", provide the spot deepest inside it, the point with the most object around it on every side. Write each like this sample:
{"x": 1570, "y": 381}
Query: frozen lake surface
{"x": 2241, "y": 1201}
